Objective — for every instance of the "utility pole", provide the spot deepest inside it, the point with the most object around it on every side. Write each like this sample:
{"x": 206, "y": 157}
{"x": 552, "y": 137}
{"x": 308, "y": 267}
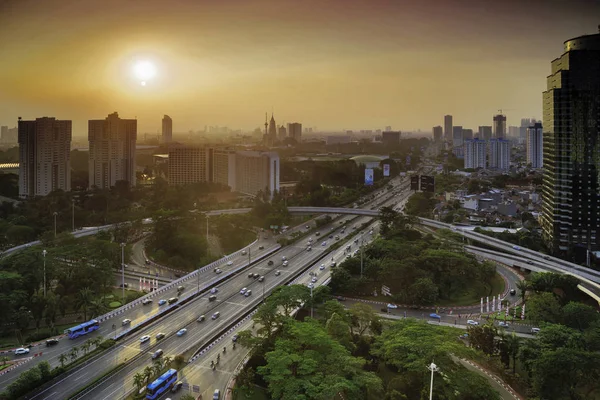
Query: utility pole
{"x": 44, "y": 252}
{"x": 362, "y": 245}
{"x": 433, "y": 368}
{"x": 73, "y": 213}
{"x": 311, "y": 301}
{"x": 55, "y": 214}
{"x": 123, "y": 270}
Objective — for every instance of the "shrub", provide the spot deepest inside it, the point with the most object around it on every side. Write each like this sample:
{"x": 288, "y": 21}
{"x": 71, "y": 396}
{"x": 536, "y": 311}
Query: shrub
{"x": 41, "y": 334}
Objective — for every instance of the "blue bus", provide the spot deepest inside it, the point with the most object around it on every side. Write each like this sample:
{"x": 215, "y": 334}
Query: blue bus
{"x": 83, "y": 329}
{"x": 161, "y": 384}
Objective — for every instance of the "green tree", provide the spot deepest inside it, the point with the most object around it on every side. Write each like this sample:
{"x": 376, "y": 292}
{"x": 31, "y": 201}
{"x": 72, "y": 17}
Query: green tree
{"x": 423, "y": 292}
{"x": 482, "y": 337}
{"x": 361, "y": 317}
{"x": 523, "y": 286}
{"x": 85, "y": 346}
{"x": 83, "y": 301}
{"x": 73, "y": 353}
{"x": 138, "y": 381}
{"x": 62, "y": 359}
{"x": 544, "y": 307}
{"x": 578, "y": 315}
{"x": 339, "y": 329}
{"x": 309, "y": 363}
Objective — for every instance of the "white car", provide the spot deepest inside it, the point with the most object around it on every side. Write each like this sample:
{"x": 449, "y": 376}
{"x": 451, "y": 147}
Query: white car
{"x": 21, "y": 351}
{"x": 126, "y": 322}
{"x": 503, "y": 324}
{"x": 243, "y": 291}
{"x": 218, "y": 271}
{"x": 182, "y": 332}
{"x": 322, "y": 267}
{"x": 314, "y": 279}
{"x": 471, "y": 322}
{"x": 390, "y": 305}
{"x": 535, "y": 330}
{"x": 229, "y": 262}
{"x": 277, "y": 273}
{"x": 248, "y": 293}
{"x": 311, "y": 285}
{"x": 144, "y": 339}
{"x": 214, "y": 290}
{"x": 324, "y": 244}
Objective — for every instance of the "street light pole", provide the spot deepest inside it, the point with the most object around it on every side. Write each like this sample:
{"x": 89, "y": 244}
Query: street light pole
{"x": 123, "y": 270}
{"x": 362, "y": 245}
{"x": 73, "y": 213}
{"x": 44, "y": 252}
{"x": 55, "y": 214}
{"x": 433, "y": 368}
{"x": 311, "y": 302}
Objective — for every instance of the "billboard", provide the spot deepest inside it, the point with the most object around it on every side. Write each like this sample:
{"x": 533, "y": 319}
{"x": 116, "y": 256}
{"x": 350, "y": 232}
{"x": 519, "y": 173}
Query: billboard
{"x": 414, "y": 182}
{"x": 427, "y": 183}
{"x": 386, "y": 169}
{"x": 407, "y": 160}
{"x": 369, "y": 176}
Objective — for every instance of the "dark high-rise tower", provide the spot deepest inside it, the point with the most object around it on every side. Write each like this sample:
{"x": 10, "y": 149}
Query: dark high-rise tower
{"x": 571, "y": 126}
{"x": 448, "y": 127}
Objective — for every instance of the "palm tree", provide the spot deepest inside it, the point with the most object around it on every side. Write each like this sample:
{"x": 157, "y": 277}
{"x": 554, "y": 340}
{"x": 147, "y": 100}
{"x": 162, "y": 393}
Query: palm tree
{"x": 148, "y": 371}
{"x": 73, "y": 353}
{"x": 523, "y": 287}
{"x": 4, "y": 360}
{"x": 97, "y": 308}
{"x": 514, "y": 343}
{"x": 157, "y": 366}
{"x": 86, "y": 346}
{"x": 168, "y": 362}
{"x": 138, "y": 381}
{"x": 83, "y": 301}
{"x": 62, "y": 359}
{"x": 96, "y": 341}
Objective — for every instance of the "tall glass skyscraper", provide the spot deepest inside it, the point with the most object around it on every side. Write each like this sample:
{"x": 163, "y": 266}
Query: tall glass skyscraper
{"x": 571, "y": 126}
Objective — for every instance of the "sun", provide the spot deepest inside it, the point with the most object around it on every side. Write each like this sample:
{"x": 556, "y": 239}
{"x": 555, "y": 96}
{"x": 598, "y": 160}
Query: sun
{"x": 144, "y": 71}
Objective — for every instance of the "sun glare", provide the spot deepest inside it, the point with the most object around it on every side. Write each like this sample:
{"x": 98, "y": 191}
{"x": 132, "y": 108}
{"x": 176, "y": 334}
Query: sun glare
{"x": 144, "y": 71}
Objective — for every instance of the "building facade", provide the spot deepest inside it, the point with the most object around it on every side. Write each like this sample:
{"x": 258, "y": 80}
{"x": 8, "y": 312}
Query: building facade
{"x": 190, "y": 164}
{"x": 485, "y": 132}
{"x": 571, "y": 148}
{"x": 44, "y": 156}
{"x": 499, "y": 126}
{"x": 112, "y": 151}
{"x": 467, "y": 134}
{"x": 224, "y": 168}
{"x": 282, "y": 133}
{"x": 475, "y": 153}
{"x": 295, "y": 131}
{"x": 457, "y": 136}
{"x": 256, "y": 172}
{"x": 438, "y": 133}
{"x": 535, "y": 145}
{"x": 390, "y": 138}
{"x": 448, "y": 127}
{"x": 499, "y": 154}
{"x": 167, "y": 129}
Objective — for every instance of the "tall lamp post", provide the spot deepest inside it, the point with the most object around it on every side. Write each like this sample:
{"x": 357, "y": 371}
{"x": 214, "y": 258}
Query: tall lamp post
{"x": 55, "y": 214}
{"x": 433, "y": 368}
{"x": 44, "y": 252}
{"x": 123, "y": 270}
{"x": 73, "y": 214}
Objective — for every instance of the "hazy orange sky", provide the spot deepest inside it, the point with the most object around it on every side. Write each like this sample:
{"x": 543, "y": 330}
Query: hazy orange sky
{"x": 335, "y": 65}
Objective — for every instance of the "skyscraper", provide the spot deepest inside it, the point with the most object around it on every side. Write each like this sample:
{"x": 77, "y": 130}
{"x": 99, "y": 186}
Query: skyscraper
{"x": 282, "y": 133}
{"x": 485, "y": 132}
{"x": 112, "y": 151}
{"x": 475, "y": 152}
{"x": 295, "y": 131}
{"x": 44, "y": 156}
{"x": 448, "y": 127}
{"x": 438, "y": 133}
{"x": 391, "y": 138}
{"x": 535, "y": 146}
{"x": 467, "y": 134}
{"x": 571, "y": 191}
{"x": 457, "y": 136}
{"x": 500, "y": 154}
{"x": 167, "y": 129}
{"x": 190, "y": 164}
{"x": 272, "y": 133}
{"x": 256, "y": 171}
{"x": 499, "y": 126}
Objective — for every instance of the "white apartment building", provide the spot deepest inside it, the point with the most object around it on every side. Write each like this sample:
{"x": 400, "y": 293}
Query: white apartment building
{"x": 535, "y": 145}
{"x": 44, "y": 156}
{"x": 188, "y": 164}
{"x": 499, "y": 154}
{"x": 112, "y": 151}
{"x": 475, "y": 153}
{"x": 256, "y": 171}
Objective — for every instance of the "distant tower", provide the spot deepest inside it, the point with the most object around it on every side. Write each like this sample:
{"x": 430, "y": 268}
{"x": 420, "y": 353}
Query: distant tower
{"x": 272, "y": 130}
{"x": 167, "y": 129}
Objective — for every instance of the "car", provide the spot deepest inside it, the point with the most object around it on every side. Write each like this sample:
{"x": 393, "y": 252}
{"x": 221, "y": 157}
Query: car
{"x": 173, "y": 300}
{"x": 337, "y": 237}
{"x": 158, "y": 353}
{"x": 256, "y": 276}
{"x": 513, "y": 292}
{"x": 126, "y": 322}
{"x": 217, "y": 394}
{"x": 322, "y": 267}
{"x": 545, "y": 257}
{"x": 180, "y": 289}
{"x": 218, "y": 270}
{"x": 311, "y": 285}
{"x": 146, "y": 301}
{"x": 471, "y": 322}
{"x": 177, "y": 387}
{"x": 181, "y": 332}
{"x": 333, "y": 264}
{"x": 244, "y": 252}
{"x": 248, "y": 293}
{"x": 308, "y": 248}
{"x": 214, "y": 290}
{"x": 125, "y": 285}
{"x": 283, "y": 258}
{"x": 516, "y": 247}
{"x": 535, "y": 330}
{"x": 51, "y": 342}
{"x": 503, "y": 324}
{"x": 160, "y": 336}
{"x": 285, "y": 263}
{"x": 162, "y": 302}
{"x": 201, "y": 318}
{"x": 270, "y": 262}
{"x": 147, "y": 261}
{"x": 261, "y": 279}
{"x": 390, "y": 305}
{"x": 229, "y": 263}
{"x": 310, "y": 240}
{"x": 307, "y": 227}
{"x": 261, "y": 247}
{"x": 330, "y": 236}
{"x": 340, "y": 298}
{"x": 529, "y": 262}
{"x": 145, "y": 339}
{"x": 318, "y": 234}
{"x": 212, "y": 297}
{"x": 243, "y": 291}
{"x": 21, "y": 351}
{"x": 235, "y": 337}
{"x": 277, "y": 273}
{"x": 324, "y": 244}
{"x": 216, "y": 315}
{"x": 435, "y": 316}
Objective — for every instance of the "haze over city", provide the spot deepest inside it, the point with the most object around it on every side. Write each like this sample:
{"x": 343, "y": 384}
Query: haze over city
{"x": 336, "y": 64}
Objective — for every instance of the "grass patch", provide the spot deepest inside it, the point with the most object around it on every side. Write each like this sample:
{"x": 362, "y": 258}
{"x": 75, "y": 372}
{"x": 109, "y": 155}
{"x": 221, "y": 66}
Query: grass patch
{"x": 258, "y": 393}
{"x": 471, "y": 297}
{"x": 114, "y": 304}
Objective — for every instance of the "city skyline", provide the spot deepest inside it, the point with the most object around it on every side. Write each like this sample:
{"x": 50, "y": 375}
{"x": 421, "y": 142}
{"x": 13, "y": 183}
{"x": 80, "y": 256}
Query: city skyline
{"x": 337, "y": 66}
